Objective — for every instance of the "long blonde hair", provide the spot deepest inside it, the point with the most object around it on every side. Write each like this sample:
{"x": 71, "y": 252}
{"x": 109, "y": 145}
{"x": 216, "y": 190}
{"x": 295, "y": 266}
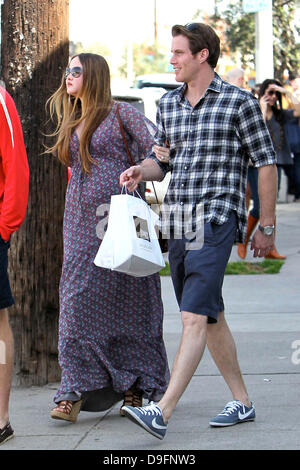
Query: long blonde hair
{"x": 93, "y": 106}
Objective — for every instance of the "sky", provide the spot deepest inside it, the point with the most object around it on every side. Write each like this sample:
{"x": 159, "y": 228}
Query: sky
{"x": 118, "y": 23}
{"x": 114, "y": 22}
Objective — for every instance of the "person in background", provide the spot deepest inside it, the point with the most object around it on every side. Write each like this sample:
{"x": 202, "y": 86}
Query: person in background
{"x": 14, "y": 183}
{"x": 111, "y": 344}
{"x": 294, "y": 82}
{"x": 255, "y": 90}
{"x": 253, "y": 214}
{"x": 270, "y": 98}
{"x": 213, "y": 128}
{"x": 292, "y": 128}
{"x": 236, "y": 77}
{"x": 293, "y": 86}
{"x": 278, "y": 121}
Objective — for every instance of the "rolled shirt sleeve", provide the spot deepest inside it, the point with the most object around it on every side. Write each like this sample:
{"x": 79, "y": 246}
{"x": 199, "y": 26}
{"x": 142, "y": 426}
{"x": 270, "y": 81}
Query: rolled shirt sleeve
{"x": 254, "y": 133}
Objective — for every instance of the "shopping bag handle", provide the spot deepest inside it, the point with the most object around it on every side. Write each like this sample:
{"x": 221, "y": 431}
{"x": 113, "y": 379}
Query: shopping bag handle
{"x": 124, "y": 187}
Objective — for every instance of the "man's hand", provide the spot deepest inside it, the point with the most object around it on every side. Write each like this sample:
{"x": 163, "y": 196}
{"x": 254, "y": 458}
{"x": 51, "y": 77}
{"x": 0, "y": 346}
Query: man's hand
{"x": 131, "y": 177}
{"x": 261, "y": 244}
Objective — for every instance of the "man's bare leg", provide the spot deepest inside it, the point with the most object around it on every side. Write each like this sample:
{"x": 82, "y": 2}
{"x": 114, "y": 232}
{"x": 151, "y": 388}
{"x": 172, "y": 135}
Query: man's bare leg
{"x": 6, "y": 365}
{"x": 222, "y": 347}
{"x": 189, "y": 354}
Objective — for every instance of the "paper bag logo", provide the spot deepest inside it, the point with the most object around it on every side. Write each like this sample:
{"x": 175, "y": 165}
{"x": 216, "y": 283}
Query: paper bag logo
{"x": 296, "y": 353}
{"x": 141, "y": 227}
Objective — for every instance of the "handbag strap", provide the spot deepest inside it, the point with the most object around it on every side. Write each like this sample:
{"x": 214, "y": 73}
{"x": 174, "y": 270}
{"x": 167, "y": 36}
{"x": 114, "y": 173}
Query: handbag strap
{"x": 155, "y": 192}
{"x": 124, "y": 137}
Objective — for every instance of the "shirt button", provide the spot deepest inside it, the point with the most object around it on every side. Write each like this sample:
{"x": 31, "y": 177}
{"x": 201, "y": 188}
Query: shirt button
{"x": 182, "y": 184}
{"x": 185, "y": 167}
{"x": 181, "y": 203}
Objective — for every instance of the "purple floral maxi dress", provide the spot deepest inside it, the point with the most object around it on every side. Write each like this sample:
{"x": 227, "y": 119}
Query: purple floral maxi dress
{"x": 110, "y": 325}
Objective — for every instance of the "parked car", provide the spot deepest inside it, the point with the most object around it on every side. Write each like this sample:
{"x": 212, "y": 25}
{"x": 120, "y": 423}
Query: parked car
{"x": 145, "y": 100}
{"x": 130, "y": 96}
{"x": 158, "y": 80}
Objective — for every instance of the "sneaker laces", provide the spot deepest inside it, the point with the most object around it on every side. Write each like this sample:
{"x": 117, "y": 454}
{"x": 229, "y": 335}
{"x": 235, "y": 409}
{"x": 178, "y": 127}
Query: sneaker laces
{"x": 231, "y": 407}
{"x": 151, "y": 410}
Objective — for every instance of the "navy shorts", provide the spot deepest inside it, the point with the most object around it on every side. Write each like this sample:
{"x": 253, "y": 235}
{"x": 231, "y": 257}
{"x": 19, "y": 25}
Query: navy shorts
{"x": 198, "y": 274}
{"x": 6, "y": 298}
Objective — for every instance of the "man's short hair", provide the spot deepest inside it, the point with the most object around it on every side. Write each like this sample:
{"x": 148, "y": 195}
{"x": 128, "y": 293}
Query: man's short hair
{"x": 200, "y": 36}
{"x": 235, "y": 74}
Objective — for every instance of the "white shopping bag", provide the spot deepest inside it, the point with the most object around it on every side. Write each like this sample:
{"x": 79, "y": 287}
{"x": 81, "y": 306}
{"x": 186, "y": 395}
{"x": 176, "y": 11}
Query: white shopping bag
{"x": 130, "y": 243}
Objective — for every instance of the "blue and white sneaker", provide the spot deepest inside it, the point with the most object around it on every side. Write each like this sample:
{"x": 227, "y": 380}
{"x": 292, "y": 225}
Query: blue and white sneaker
{"x": 234, "y": 412}
{"x": 148, "y": 417}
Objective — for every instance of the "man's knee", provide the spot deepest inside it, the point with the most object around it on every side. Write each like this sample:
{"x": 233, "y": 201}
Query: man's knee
{"x": 194, "y": 321}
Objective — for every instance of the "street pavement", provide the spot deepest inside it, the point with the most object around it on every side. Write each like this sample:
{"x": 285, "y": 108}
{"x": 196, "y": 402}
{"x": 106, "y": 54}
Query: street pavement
{"x": 263, "y": 312}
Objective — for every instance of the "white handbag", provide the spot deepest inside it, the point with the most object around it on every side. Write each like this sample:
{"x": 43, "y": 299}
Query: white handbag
{"x": 130, "y": 244}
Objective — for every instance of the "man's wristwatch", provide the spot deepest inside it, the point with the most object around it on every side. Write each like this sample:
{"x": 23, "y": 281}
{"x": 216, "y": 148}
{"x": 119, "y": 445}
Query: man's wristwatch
{"x": 267, "y": 230}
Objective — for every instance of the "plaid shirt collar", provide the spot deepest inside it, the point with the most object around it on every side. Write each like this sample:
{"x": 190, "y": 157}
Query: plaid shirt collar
{"x": 215, "y": 85}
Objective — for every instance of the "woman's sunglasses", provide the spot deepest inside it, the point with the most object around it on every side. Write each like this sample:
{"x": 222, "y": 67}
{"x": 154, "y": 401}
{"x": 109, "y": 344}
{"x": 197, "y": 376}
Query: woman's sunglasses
{"x": 75, "y": 72}
{"x": 272, "y": 92}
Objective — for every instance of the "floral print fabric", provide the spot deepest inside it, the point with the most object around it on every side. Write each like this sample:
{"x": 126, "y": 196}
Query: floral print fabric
{"x": 110, "y": 326}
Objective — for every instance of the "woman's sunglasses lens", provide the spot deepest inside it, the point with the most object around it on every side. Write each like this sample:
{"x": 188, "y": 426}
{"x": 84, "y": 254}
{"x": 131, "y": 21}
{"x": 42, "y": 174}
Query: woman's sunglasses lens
{"x": 75, "y": 72}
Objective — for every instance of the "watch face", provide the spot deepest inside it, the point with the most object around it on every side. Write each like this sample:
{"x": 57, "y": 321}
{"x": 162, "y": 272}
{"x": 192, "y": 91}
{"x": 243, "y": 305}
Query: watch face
{"x": 268, "y": 230}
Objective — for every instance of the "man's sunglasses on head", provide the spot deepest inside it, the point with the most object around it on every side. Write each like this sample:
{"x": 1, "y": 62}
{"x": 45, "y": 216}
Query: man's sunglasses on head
{"x": 191, "y": 27}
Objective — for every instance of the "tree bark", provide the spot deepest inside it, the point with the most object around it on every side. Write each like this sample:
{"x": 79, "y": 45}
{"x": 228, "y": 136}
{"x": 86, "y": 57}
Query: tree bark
{"x": 34, "y": 53}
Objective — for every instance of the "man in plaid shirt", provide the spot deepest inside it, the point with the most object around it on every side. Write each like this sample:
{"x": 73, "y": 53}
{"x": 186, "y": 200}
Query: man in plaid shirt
{"x": 212, "y": 129}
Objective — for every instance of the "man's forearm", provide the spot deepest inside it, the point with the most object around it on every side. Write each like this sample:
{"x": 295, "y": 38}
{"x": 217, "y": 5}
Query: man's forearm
{"x": 151, "y": 171}
{"x": 267, "y": 190}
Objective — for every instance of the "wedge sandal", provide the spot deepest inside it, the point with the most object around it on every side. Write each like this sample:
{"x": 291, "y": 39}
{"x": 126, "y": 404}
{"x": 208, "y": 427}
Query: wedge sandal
{"x": 132, "y": 397}
{"x": 66, "y": 410}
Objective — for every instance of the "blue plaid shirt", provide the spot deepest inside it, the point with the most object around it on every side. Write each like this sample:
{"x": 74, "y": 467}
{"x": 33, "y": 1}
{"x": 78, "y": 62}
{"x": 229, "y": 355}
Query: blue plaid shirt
{"x": 210, "y": 147}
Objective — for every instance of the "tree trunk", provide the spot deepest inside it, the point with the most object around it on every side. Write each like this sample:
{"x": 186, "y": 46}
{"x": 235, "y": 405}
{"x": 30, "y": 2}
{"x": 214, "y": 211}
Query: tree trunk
{"x": 34, "y": 54}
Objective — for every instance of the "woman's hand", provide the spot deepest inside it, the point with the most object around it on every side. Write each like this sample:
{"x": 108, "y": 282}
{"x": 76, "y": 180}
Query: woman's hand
{"x": 294, "y": 100}
{"x": 162, "y": 153}
{"x": 278, "y": 88}
{"x": 263, "y": 102}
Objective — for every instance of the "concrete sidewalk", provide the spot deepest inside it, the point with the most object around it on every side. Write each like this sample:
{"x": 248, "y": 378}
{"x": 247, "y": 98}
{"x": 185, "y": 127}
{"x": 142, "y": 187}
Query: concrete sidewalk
{"x": 263, "y": 312}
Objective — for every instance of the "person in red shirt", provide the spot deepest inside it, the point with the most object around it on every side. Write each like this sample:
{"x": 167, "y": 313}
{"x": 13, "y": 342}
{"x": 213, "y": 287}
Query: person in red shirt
{"x": 14, "y": 183}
